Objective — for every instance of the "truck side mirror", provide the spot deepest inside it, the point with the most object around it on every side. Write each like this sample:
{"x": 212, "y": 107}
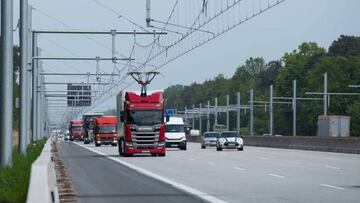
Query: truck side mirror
{"x": 122, "y": 116}
{"x": 167, "y": 118}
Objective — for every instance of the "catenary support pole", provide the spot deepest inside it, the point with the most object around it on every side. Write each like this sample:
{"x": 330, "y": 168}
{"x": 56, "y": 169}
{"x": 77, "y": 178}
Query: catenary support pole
{"x": 193, "y": 118}
{"x": 148, "y": 14}
{"x": 29, "y": 74}
{"x": 216, "y": 111}
{"x": 251, "y": 103}
{"x": 6, "y": 83}
{"x": 208, "y": 117}
{"x": 271, "y": 118}
{"x": 34, "y": 88}
{"x": 38, "y": 93}
{"x": 325, "y": 94}
{"x": 200, "y": 123}
{"x": 23, "y": 134}
{"x": 294, "y": 107}
{"x": 227, "y": 112}
{"x": 238, "y": 112}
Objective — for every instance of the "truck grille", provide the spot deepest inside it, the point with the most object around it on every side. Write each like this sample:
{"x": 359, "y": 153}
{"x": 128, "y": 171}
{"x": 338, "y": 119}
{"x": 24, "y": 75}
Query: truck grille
{"x": 145, "y": 139}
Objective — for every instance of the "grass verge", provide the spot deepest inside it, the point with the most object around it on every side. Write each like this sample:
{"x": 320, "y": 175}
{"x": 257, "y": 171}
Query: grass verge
{"x": 14, "y": 180}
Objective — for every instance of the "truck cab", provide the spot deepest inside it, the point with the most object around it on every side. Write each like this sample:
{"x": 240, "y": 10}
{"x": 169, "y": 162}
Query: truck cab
{"x": 175, "y": 133}
{"x": 76, "y": 131}
{"x": 105, "y": 131}
{"x": 88, "y": 119}
{"x": 142, "y": 128}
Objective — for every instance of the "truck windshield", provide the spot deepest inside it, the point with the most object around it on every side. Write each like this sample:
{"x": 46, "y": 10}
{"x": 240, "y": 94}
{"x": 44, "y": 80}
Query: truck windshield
{"x": 89, "y": 123}
{"x": 229, "y": 134}
{"x": 106, "y": 129}
{"x": 144, "y": 117}
{"x": 76, "y": 128}
{"x": 174, "y": 128}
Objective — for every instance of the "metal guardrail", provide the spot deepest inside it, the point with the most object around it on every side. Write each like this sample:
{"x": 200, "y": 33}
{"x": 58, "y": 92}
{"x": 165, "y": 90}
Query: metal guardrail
{"x": 328, "y": 144}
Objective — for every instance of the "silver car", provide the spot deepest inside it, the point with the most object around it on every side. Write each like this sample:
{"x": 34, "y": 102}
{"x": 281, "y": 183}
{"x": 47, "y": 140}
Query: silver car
{"x": 208, "y": 139}
{"x": 230, "y": 140}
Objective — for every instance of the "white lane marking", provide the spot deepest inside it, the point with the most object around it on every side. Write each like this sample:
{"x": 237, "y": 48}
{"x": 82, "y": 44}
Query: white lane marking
{"x": 332, "y": 167}
{"x": 238, "y": 168}
{"x": 333, "y": 187}
{"x": 276, "y": 175}
{"x": 182, "y": 187}
{"x": 263, "y": 158}
{"x": 211, "y": 163}
{"x": 192, "y": 159}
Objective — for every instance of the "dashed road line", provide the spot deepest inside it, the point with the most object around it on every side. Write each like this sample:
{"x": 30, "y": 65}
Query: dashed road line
{"x": 238, "y": 168}
{"x": 192, "y": 159}
{"x": 332, "y": 186}
{"x": 332, "y": 167}
{"x": 276, "y": 175}
{"x": 211, "y": 163}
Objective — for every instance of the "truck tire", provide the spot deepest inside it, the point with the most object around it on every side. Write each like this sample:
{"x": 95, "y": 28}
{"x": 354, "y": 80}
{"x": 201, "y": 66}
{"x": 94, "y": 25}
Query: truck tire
{"x": 120, "y": 147}
{"x": 203, "y": 147}
{"x": 97, "y": 145}
{"x": 161, "y": 154}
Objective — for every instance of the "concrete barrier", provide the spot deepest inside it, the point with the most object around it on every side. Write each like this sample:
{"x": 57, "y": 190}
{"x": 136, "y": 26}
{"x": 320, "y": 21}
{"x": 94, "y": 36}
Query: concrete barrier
{"x": 42, "y": 186}
{"x": 329, "y": 144}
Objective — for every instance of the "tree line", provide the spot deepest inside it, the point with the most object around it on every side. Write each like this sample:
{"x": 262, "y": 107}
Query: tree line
{"x": 306, "y": 64}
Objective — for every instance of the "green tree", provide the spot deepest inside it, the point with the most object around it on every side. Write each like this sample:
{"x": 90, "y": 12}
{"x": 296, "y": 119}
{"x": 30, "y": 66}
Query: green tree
{"x": 345, "y": 46}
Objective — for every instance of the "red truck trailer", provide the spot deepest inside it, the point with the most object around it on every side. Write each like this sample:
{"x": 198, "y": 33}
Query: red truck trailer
{"x": 76, "y": 130}
{"x": 105, "y": 131}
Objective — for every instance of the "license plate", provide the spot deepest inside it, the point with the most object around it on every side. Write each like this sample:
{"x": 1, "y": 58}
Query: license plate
{"x": 174, "y": 145}
{"x": 145, "y": 151}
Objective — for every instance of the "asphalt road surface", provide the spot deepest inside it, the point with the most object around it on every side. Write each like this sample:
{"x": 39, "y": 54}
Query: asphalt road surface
{"x": 98, "y": 179}
{"x": 255, "y": 175}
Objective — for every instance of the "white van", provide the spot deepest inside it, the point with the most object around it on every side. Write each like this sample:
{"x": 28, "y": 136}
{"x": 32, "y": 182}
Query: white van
{"x": 175, "y": 133}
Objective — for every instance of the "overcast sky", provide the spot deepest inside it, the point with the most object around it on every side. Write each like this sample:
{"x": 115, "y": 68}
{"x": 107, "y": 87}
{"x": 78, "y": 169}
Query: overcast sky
{"x": 268, "y": 35}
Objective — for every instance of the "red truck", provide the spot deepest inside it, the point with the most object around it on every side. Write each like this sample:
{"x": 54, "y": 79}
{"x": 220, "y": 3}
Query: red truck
{"x": 76, "y": 130}
{"x": 105, "y": 131}
{"x": 142, "y": 128}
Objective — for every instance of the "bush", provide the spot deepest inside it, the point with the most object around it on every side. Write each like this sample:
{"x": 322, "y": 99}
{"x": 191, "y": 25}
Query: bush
{"x": 14, "y": 180}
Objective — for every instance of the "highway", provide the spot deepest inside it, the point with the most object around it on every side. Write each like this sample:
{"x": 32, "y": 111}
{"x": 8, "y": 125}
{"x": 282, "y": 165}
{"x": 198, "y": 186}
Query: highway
{"x": 254, "y": 175}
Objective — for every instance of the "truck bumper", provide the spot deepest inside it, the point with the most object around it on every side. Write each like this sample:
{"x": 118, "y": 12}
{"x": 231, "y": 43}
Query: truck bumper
{"x": 156, "y": 150}
{"x": 106, "y": 141}
{"x": 176, "y": 144}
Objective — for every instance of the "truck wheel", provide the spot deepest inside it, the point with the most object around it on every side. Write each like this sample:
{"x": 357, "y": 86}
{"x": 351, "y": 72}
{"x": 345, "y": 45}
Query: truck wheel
{"x": 161, "y": 154}
{"x": 121, "y": 147}
{"x": 203, "y": 147}
{"x": 114, "y": 145}
{"x": 97, "y": 145}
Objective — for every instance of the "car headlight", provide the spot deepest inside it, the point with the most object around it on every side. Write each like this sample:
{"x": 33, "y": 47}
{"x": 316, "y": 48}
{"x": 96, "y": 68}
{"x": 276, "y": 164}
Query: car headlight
{"x": 222, "y": 140}
{"x": 239, "y": 140}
